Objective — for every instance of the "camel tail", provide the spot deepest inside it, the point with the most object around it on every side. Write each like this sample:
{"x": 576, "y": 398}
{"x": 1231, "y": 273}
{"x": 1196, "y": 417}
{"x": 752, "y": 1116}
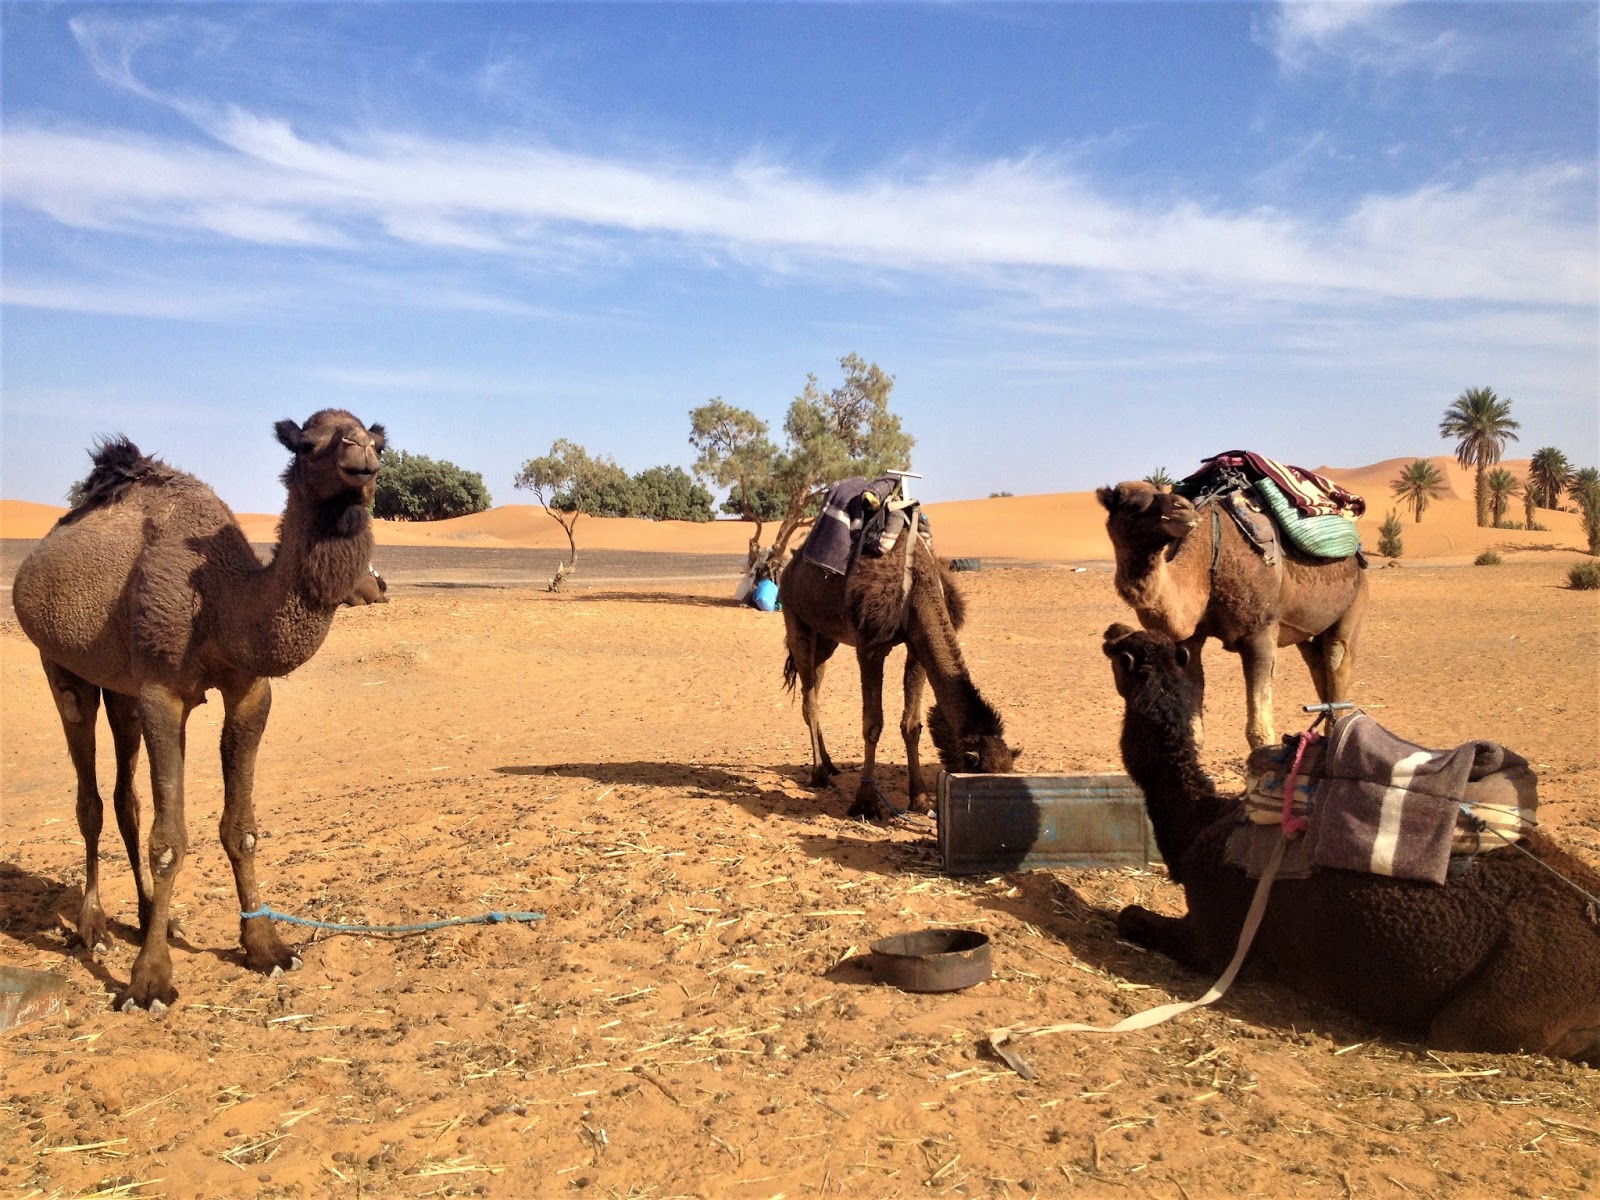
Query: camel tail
{"x": 791, "y": 673}
{"x": 118, "y": 465}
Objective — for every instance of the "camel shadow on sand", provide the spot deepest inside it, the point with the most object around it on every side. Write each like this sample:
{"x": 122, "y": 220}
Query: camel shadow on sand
{"x": 42, "y": 915}
{"x": 1055, "y": 904}
{"x": 639, "y": 597}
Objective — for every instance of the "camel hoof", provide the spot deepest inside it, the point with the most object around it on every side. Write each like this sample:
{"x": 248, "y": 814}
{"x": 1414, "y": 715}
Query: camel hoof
{"x": 98, "y": 951}
{"x": 157, "y": 1008}
{"x": 275, "y": 973}
{"x": 295, "y": 964}
{"x": 129, "y": 1005}
{"x": 872, "y": 805}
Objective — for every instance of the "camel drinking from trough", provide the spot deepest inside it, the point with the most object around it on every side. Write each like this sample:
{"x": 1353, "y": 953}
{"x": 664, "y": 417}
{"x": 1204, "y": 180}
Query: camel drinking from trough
{"x": 903, "y": 597}
{"x": 1193, "y": 579}
{"x": 1504, "y": 957}
{"x": 148, "y": 595}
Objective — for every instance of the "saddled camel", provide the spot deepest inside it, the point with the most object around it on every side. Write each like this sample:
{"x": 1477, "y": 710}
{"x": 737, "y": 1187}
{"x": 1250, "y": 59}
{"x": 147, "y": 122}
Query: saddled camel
{"x": 1193, "y": 579}
{"x": 873, "y": 609}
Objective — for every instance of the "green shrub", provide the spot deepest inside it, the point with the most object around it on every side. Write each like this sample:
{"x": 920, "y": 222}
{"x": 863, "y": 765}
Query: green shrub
{"x": 414, "y": 487}
{"x": 1488, "y": 558}
{"x": 1584, "y": 577}
{"x": 1389, "y": 536}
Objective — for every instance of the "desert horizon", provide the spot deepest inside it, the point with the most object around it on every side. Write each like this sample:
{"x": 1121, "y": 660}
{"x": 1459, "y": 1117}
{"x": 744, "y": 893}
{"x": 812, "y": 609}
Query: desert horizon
{"x": 1047, "y": 527}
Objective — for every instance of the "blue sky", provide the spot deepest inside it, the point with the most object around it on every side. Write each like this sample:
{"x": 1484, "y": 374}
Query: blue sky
{"x": 1087, "y": 240}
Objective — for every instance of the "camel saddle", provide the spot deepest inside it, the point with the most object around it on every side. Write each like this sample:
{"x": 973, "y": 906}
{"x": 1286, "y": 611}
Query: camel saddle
{"x": 1262, "y": 495}
{"x": 860, "y": 517}
{"x": 1365, "y": 800}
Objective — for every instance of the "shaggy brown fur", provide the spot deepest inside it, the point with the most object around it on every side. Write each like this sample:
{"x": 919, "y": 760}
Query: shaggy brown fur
{"x": 868, "y": 609}
{"x": 1164, "y": 549}
{"x": 371, "y": 588}
{"x": 146, "y": 594}
{"x": 1504, "y": 959}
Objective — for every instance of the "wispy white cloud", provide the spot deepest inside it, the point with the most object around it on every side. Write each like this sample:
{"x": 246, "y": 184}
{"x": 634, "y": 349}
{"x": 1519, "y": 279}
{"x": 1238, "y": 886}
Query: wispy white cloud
{"x": 1367, "y": 34}
{"x": 1524, "y": 237}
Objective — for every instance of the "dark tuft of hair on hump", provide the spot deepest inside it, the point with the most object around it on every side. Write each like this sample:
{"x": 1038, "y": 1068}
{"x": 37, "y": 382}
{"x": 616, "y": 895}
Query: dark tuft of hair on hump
{"x": 116, "y": 465}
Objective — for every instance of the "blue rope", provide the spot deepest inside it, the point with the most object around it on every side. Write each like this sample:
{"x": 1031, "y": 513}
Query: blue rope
{"x": 488, "y": 918}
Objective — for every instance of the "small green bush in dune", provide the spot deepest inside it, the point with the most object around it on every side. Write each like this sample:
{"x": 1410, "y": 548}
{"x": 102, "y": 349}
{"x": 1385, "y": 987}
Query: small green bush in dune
{"x": 1487, "y": 559}
{"x": 1584, "y": 577}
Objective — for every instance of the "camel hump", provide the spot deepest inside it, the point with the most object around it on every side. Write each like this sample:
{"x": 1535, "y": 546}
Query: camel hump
{"x": 117, "y": 465}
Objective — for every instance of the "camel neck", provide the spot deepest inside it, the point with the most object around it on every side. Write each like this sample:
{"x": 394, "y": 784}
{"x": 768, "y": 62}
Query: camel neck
{"x": 322, "y": 553}
{"x": 1159, "y": 752}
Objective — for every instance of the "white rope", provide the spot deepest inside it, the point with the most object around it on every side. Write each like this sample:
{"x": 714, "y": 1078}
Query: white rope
{"x": 1165, "y": 1012}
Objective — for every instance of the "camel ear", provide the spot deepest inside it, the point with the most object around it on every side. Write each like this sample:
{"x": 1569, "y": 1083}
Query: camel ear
{"x": 1180, "y": 655}
{"x": 380, "y": 437}
{"x": 1107, "y": 498}
{"x": 292, "y": 436}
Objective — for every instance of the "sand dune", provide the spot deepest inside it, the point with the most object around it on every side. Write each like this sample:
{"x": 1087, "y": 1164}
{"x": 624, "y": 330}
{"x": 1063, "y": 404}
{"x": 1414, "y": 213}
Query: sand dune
{"x": 1057, "y": 527}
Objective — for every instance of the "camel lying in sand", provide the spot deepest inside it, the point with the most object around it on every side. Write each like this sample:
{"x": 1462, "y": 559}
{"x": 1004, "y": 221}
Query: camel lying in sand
{"x": 1505, "y": 958}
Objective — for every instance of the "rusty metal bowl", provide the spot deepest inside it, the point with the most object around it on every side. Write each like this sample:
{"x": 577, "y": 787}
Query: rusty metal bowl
{"x": 932, "y": 960}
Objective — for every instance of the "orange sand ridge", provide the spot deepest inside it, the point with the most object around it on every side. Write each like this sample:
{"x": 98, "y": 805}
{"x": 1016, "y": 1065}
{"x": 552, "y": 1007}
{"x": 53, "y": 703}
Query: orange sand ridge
{"x": 1057, "y": 527}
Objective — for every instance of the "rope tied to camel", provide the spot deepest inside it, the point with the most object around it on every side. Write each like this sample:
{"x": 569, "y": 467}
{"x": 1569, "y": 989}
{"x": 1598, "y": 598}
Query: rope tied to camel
{"x": 488, "y": 918}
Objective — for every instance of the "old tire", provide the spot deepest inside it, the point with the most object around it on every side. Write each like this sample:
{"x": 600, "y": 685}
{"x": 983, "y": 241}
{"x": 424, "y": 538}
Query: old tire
{"x": 966, "y": 564}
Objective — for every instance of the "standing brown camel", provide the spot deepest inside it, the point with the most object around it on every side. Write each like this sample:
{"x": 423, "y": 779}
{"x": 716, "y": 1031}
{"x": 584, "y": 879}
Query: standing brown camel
{"x": 148, "y": 593}
{"x": 872, "y": 609}
{"x": 1184, "y": 582}
{"x": 1503, "y": 958}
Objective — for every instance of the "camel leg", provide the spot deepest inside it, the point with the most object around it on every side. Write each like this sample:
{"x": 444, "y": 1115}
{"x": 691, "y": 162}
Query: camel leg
{"x": 911, "y": 731}
{"x": 1195, "y": 669}
{"x": 244, "y": 721}
{"x": 123, "y": 714}
{"x": 810, "y": 652}
{"x": 1339, "y": 647}
{"x": 1502, "y": 1011}
{"x": 871, "y": 803}
{"x": 1174, "y": 937}
{"x": 78, "y": 703}
{"x": 1259, "y": 656}
{"x": 163, "y": 715}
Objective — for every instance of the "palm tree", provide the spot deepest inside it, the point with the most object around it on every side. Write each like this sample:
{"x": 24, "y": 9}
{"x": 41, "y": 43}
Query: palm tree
{"x": 1418, "y": 484}
{"x": 1501, "y": 485}
{"x": 1481, "y": 424}
{"x": 1159, "y": 478}
{"x": 1584, "y": 487}
{"x": 1548, "y": 475}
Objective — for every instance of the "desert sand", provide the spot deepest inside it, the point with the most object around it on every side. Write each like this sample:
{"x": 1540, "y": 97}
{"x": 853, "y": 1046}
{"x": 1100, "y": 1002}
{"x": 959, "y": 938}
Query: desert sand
{"x": 691, "y": 1017}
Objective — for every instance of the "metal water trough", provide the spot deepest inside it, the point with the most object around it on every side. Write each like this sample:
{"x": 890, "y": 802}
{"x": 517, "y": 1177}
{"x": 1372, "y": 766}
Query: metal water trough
{"x": 994, "y": 823}
{"x": 29, "y": 996}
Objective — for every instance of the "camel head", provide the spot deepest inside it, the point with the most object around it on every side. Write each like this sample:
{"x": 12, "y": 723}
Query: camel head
{"x": 1140, "y": 514}
{"x": 1146, "y": 664}
{"x": 335, "y": 464}
{"x": 981, "y": 750}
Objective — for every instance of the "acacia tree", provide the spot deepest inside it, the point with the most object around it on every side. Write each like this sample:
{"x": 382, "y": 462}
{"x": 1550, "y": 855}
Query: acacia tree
{"x": 1502, "y": 487}
{"x": 1547, "y": 476}
{"x": 736, "y": 453}
{"x": 1481, "y": 423}
{"x": 828, "y": 435}
{"x": 1417, "y": 484}
{"x": 569, "y": 482}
